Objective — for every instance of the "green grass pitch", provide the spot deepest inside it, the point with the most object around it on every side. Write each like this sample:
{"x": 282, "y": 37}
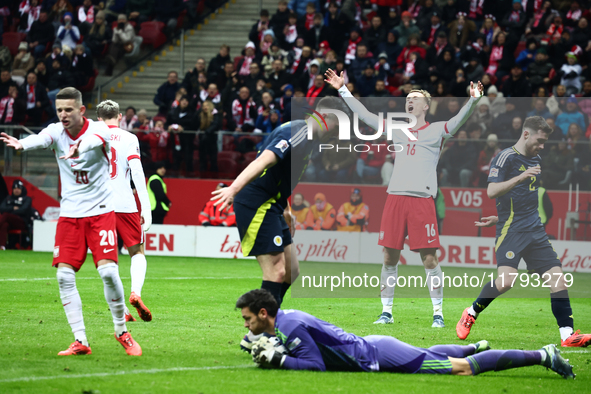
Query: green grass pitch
{"x": 191, "y": 346}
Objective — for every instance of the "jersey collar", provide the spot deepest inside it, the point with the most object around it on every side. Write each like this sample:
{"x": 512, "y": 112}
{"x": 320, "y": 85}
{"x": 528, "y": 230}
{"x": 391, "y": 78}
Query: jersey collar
{"x": 82, "y": 131}
{"x": 111, "y": 126}
{"x": 422, "y": 127}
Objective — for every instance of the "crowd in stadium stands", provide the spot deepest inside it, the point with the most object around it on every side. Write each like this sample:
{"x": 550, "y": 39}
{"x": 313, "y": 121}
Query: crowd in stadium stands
{"x": 533, "y": 49}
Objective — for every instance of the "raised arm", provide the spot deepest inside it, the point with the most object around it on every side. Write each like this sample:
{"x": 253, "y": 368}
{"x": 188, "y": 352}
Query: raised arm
{"x": 37, "y": 141}
{"x": 453, "y": 125}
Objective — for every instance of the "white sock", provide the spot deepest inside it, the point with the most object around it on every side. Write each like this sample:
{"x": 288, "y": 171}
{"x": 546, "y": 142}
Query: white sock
{"x": 565, "y": 332}
{"x": 435, "y": 288}
{"x": 472, "y": 312}
{"x": 544, "y": 355}
{"x": 66, "y": 279}
{"x": 138, "y": 273}
{"x": 389, "y": 278}
{"x": 114, "y": 294}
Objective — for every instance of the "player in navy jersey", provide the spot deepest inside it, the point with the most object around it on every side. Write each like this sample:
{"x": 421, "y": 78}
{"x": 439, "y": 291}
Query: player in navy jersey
{"x": 514, "y": 179}
{"x": 313, "y": 344}
{"x": 260, "y": 194}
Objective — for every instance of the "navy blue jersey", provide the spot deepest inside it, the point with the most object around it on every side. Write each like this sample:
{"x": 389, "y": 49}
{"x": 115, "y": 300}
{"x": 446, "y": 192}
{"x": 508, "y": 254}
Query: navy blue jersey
{"x": 518, "y": 209}
{"x": 314, "y": 344}
{"x": 293, "y": 149}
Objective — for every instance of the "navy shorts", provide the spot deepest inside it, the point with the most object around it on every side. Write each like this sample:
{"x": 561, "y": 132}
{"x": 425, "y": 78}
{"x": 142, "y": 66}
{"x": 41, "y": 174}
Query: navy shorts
{"x": 397, "y": 356}
{"x": 263, "y": 230}
{"x": 533, "y": 247}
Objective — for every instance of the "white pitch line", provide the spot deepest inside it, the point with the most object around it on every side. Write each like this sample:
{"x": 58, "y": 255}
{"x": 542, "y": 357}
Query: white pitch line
{"x": 118, "y": 373}
{"x": 575, "y": 351}
{"x": 148, "y": 279}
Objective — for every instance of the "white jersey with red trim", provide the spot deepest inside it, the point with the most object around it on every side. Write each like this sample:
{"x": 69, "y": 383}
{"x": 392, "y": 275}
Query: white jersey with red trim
{"x": 85, "y": 185}
{"x": 124, "y": 147}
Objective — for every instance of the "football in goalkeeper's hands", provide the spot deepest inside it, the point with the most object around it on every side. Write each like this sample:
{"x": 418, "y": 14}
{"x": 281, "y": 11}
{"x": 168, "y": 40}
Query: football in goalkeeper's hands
{"x": 278, "y": 346}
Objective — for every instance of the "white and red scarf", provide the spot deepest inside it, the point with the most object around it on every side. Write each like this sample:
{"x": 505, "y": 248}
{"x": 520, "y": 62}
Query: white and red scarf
{"x": 245, "y": 68}
{"x": 496, "y": 54}
{"x": 262, "y": 108}
{"x": 409, "y": 69}
{"x": 292, "y": 34}
{"x": 351, "y": 50}
{"x": 309, "y": 21}
{"x": 30, "y": 96}
{"x": 203, "y": 95}
{"x": 33, "y": 12}
{"x": 6, "y": 104}
{"x": 554, "y": 32}
{"x": 475, "y": 8}
{"x": 241, "y": 114}
{"x": 574, "y": 15}
{"x": 127, "y": 125}
{"x": 432, "y": 34}
{"x": 414, "y": 9}
{"x": 537, "y": 5}
{"x": 313, "y": 92}
{"x": 515, "y": 16}
{"x": 86, "y": 15}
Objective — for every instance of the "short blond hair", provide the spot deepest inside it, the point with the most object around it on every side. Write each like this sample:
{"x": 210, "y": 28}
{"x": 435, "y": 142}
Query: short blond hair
{"x": 107, "y": 109}
{"x": 425, "y": 94}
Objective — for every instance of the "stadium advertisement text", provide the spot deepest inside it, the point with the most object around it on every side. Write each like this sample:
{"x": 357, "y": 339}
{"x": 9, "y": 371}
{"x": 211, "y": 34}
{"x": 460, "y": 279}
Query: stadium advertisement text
{"x": 326, "y": 246}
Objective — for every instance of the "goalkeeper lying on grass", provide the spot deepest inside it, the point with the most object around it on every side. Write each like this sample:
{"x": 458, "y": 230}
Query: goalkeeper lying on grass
{"x": 306, "y": 342}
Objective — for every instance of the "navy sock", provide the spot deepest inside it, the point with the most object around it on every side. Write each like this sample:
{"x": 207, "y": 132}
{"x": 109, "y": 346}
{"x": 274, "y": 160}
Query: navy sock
{"x": 284, "y": 287}
{"x": 456, "y": 351}
{"x": 487, "y": 295}
{"x": 499, "y": 360}
{"x": 274, "y": 288}
{"x": 561, "y": 308}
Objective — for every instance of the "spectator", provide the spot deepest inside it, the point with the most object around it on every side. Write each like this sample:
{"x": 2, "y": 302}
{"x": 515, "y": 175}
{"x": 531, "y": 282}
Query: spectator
{"x": 361, "y": 62}
{"x": 159, "y": 201}
{"x": 268, "y": 121}
{"x": 275, "y": 54}
{"x": 338, "y": 24}
{"x": 113, "y": 8}
{"x": 306, "y": 80}
{"x": 212, "y": 94}
{"x": 501, "y": 56}
{"x": 517, "y": 85}
{"x": 573, "y": 15}
{"x": 210, "y": 122}
{"x": 459, "y": 84}
{"x": 349, "y": 51}
{"x": 41, "y": 71}
{"x": 15, "y": 212}
{"x": 251, "y": 81}
{"x": 459, "y": 162}
{"x": 570, "y": 73}
{"x": 157, "y": 140}
{"x": 583, "y": 170}
{"x": 406, "y": 29}
{"x": 211, "y": 215}
{"x": 300, "y": 6}
{"x": 86, "y": 16}
{"x": 366, "y": 83}
{"x": 489, "y": 29}
{"x": 461, "y": 30}
{"x": 181, "y": 123}
{"x": 321, "y": 215}
{"x": 260, "y": 27}
{"x": 12, "y": 107}
{"x": 482, "y": 117}
{"x": 474, "y": 70}
{"x": 123, "y": 42}
{"x": 514, "y": 21}
{"x": 571, "y": 115}
{"x": 167, "y": 12}
{"x": 380, "y": 89}
{"x": 317, "y": 33}
{"x": 266, "y": 41}
{"x": 40, "y": 34}
{"x": 284, "y": 102}
{"x": 99, "y": 35}
{"x": 244, "y": 110}
{"x": 166, "y": 92}
{"x": 82, "y": 66}
{"x": 369, "y": 164}
{"x": 59, "y": 10}
{"x": 57, "y": 54}
{"x": 412, "y": 46}
{"x": 375, "y": 34}
{"x": 242, "y": 63}
{"x": 319, "y": 89}
{"x": 491, "y": 149}
{"x": 429, "y": 34}
{"x": 354, "y": 214}
{"x": 448, "y": 109}
{"x": 143, "y": 121}
{"x": 129, "y": 120}
{"x": 435, "y": 52}
{"x": 280, "y": 18}
{"x": 217, "y": 64}
{"x": 336, "y": 165}
{"x": 223, "y": 78}
{"x": 266, "y": 102}
{"x": 527, "y": 56}
{"x": 36, "y": 97}
{"x": 576, "y": 140}
{"x": 446, "y": 68}
{"x": 299, "y": 208}
{"x": 192, "y": 81}
{"x": 540, "y": 109}
{"x": 278, "y": 78}
{"x": 581, "y": 33}
{"x": 537, "y": 24}
{"x": 449, "y": 11}
{"x": 558, "y": 162}
{"x": 29, "y": 12}
{"x": 308, "y": 19}
{"x": 139, "y": 11}
{"x": 290, "y": 32}
{"x": 23, "y": 62}
{"x": 539, "y": 71}
{"x": 391, "y": 47}
{"x": 59, "y": 78}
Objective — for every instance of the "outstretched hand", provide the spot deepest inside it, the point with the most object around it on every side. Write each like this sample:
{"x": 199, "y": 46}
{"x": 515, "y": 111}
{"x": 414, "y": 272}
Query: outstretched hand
{"x": 477, "y": 91}
{"x": 73, "y": 151}
{"x": 488, "y": 221}
{"x": 224, "y": 196}
{"x": 10, "y": 141}
{"x": 333, "y": 79}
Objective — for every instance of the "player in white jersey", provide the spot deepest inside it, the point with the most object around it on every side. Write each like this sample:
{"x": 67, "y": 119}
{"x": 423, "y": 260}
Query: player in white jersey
{"x": 409, "y": 208}
{"x": 87, "y": 217}
{"x": 126, "y": 165}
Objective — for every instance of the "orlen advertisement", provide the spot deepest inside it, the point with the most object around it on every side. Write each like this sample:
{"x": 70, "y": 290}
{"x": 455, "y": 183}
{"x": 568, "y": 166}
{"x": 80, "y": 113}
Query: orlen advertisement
{"x": 326, "y": 246}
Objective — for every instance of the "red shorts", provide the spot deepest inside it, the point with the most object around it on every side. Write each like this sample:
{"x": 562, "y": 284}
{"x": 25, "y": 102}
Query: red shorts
{"x": 412, "y": 216}
{"x": 74, "y": 236}
{"x": 129, "y": 228}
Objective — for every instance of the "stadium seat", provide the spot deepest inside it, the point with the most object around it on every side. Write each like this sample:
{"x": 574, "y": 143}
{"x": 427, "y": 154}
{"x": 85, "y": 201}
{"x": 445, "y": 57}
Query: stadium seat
{"x": 181, "y": 19}
{"x": 152, "y": 33}
{"x": 12, "y": 40}
{"x": 90, "y": 84}
{"x": 228, "y": 168}
{"x": 18, "y": 239}
{"x": 228, "y": 143}
{"x": 236, "y": 156}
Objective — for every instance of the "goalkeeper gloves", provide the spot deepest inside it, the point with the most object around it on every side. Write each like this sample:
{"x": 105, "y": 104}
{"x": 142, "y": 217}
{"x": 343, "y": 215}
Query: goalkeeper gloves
{"x": 264, "y": 354}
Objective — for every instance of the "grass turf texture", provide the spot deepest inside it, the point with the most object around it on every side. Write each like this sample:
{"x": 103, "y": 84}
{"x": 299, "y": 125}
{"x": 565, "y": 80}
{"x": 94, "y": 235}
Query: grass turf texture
{"x": 192, "y": 343}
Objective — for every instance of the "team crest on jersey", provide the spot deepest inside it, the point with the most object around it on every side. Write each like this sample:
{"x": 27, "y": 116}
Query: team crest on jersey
{"x": 277, "y": 240}
{"x": 381, "y": 235}
{"x": 510, "y": 255}
{"x": 282, "y": 145}
{"x": 494, "y": 172}
{"x": 56, "y": 252}
{"x": 294, "y": 344}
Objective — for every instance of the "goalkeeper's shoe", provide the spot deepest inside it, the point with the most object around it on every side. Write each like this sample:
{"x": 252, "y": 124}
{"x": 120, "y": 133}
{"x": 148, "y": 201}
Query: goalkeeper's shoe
{"x": 577, "y": 340}
{"x": 132, "y": 348}
{"x": 76, "y": 349}
{"x": 481, "y": 346}
{"x": 465, "y": 324}
{"x": 248, "y": 340}
{"x": 384, "y": 318}
{"x": 557, "y": 363}
{"x": 142, "y": 310}
{"x": 438, "y": 321}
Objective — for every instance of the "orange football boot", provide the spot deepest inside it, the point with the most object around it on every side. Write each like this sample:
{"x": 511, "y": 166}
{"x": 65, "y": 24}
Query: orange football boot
{"x": 132, "y": 348}
{"x": 577, "y": 340}
{"x": 465, "y": 324}
{"x": 76, "y": 349}
{"x": 142, "y": 310}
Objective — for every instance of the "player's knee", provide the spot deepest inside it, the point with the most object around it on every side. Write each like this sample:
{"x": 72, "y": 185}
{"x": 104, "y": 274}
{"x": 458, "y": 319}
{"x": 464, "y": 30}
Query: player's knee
{"x": 66, "y": 278}
{"x": 391, "y": 256}
{"x": 430, "y": 261}
{"x": 502, "y": 286}
{"x": 108, "y": 272}
{"x": 279, "y": 272}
